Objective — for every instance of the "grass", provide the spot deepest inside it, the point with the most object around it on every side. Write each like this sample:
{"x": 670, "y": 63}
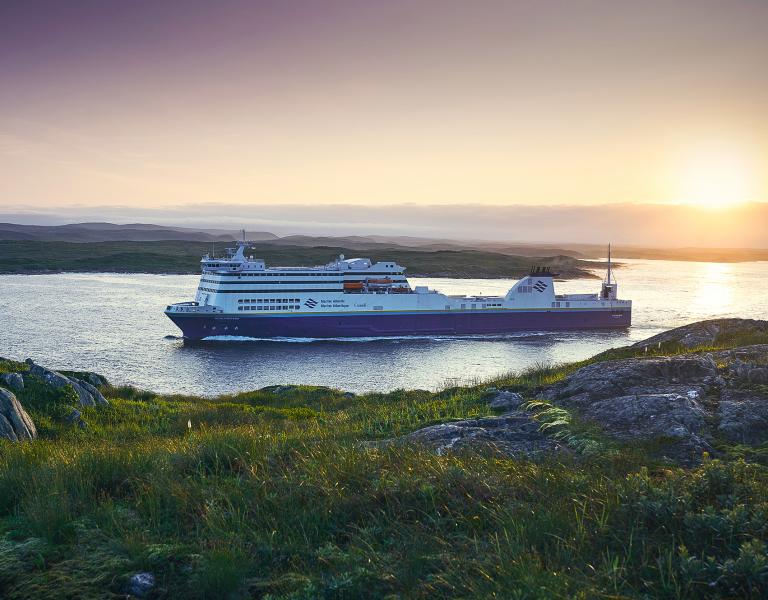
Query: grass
{"x": 272, "y": 495}
{"x": 184, "y": 257}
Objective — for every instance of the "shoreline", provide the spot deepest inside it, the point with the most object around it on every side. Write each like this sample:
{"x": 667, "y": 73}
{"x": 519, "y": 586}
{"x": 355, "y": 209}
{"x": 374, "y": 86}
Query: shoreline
{"x": 161, "y": 273}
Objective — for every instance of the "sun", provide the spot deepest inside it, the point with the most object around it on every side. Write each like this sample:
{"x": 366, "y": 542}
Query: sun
{"x": 716, "y": 180}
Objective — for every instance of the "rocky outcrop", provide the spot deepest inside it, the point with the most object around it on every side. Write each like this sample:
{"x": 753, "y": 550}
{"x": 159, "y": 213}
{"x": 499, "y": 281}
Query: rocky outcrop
{"x": 679, "y": 420}
{"x": 669, "y": 375}
{"x": 94, "y": 379}
{"x": 514, "y": 433}
{"x": 749, "y": 372}
{"x": 686, "y": 401}
{"x": 706, "y": 333}
{"x": 75, "y": 418}
{"x": 505, "y": 400}
{"x": 15, "y": 424}
{"x": 88, "y": 394}
{"x": 684, "y": 404}
{"x": 13, "y": 381}
{"x": 743, "y": 416}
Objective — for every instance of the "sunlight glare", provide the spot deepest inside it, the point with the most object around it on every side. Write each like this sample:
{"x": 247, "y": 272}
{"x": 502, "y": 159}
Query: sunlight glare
{"x": 716, "y": 180}
{"x": 714, "y": 295}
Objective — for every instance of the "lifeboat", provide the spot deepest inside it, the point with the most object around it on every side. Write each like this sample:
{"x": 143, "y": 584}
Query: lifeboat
{"x": 353, "y": 285}
{"x": 400, "y": 289}
{"x": 386, "y": 281}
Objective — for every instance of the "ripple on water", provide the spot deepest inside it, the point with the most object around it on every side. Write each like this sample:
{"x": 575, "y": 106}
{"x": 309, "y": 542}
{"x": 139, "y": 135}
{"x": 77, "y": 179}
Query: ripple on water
{"x": 114, "y": 324}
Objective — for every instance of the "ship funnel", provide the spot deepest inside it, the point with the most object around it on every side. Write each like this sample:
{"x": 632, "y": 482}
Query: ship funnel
{"x": 609, "y": 289}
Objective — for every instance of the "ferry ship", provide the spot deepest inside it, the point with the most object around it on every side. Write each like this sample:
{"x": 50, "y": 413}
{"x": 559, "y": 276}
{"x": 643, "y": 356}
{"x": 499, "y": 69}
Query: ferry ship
{"x": 241, "y": 296}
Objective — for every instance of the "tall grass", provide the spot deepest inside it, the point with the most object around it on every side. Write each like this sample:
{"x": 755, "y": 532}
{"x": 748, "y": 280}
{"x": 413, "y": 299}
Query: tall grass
{"x": 273, "y": 495}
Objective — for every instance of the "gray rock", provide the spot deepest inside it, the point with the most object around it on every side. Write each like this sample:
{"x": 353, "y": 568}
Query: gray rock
{"x": 749, "y": 372}
{"x": 141, "y": 584}
{"x": 87, "y": 394}
{"x": 704, "y": 333}
{"x": 652, "y": 416}
{"x": 12, "y": 381}
{"x": 683, "y": 402}
{"x": 514, "y": 434}
{"x": 15, "y": 424}
{"x": 506, "y": 400}
{"x": 280, "y": 389}
{"x": 743, "y": 417}
{"x": 758, "y": 375}
{"x": 76, "y": 418}
{"x": 349, "y": 395}
{"x": 94, "y": 379}
{"x": 633, "y": 376}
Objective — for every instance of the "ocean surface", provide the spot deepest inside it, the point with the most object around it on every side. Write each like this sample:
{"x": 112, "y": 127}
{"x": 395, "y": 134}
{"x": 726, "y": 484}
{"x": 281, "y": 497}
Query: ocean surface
{"x": 114, "y": 324}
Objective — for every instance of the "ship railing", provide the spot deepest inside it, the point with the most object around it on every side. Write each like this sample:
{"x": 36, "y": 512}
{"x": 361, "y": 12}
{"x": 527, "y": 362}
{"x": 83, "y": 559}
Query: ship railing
{"x": 192, "y": 307}
{"x": 576, "y": 297}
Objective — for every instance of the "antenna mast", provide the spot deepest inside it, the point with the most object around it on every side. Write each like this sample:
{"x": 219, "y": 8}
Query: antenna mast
{"x": 608, "y": 275}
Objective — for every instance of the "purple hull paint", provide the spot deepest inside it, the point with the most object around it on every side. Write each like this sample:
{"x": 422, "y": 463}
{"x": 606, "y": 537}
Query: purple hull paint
{"x": 195, "y": 327}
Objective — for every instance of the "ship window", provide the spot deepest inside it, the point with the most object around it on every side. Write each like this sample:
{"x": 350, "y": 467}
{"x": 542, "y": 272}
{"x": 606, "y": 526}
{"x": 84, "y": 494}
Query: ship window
{"x": 447, "y": 307}
{"x": 463, "y": 306}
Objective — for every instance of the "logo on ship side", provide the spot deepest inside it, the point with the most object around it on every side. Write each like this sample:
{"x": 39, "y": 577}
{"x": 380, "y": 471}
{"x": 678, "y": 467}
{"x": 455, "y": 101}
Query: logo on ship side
{"x": 311, "y": 303}
{"x": 540, "y": 286}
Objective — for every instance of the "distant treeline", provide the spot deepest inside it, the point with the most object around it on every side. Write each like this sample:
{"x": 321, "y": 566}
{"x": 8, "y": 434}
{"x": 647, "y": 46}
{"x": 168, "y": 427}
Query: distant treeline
{"x": 184, "y": 257}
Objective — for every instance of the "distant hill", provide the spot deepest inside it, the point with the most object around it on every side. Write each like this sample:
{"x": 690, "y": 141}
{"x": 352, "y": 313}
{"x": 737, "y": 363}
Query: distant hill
{"x": 147, "y": 232}
{"x": 110, "y": 232}
{"x": 177, "y": 256}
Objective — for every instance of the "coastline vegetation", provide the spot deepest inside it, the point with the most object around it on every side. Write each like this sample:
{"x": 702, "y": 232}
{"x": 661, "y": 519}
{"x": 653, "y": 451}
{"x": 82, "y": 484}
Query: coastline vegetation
{"x": 290, "y": 493}
{"x": 184, "y": 257}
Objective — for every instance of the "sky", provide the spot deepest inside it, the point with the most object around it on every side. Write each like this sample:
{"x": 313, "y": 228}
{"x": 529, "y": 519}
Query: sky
{"x": 157, "y": 105}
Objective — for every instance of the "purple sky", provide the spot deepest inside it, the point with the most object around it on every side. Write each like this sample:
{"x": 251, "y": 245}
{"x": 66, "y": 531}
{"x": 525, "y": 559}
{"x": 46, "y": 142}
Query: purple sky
{"x": 157, "y": 103}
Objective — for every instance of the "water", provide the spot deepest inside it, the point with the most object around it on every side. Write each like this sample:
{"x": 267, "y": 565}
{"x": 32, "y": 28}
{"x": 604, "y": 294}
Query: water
{"x": 114, "y": 325}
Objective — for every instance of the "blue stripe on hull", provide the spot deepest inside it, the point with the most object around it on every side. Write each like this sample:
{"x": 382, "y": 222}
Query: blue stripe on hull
{"x": 196, "y": 327}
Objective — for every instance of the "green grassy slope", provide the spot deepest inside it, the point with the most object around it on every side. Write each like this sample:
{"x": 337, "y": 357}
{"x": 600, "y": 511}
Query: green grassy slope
{"x": 275, "y": 495}
{"x": 184, "y": 257}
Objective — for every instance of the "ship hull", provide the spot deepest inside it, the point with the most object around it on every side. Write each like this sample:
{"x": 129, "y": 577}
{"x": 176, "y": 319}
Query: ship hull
{"x": 355, "y": 325}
